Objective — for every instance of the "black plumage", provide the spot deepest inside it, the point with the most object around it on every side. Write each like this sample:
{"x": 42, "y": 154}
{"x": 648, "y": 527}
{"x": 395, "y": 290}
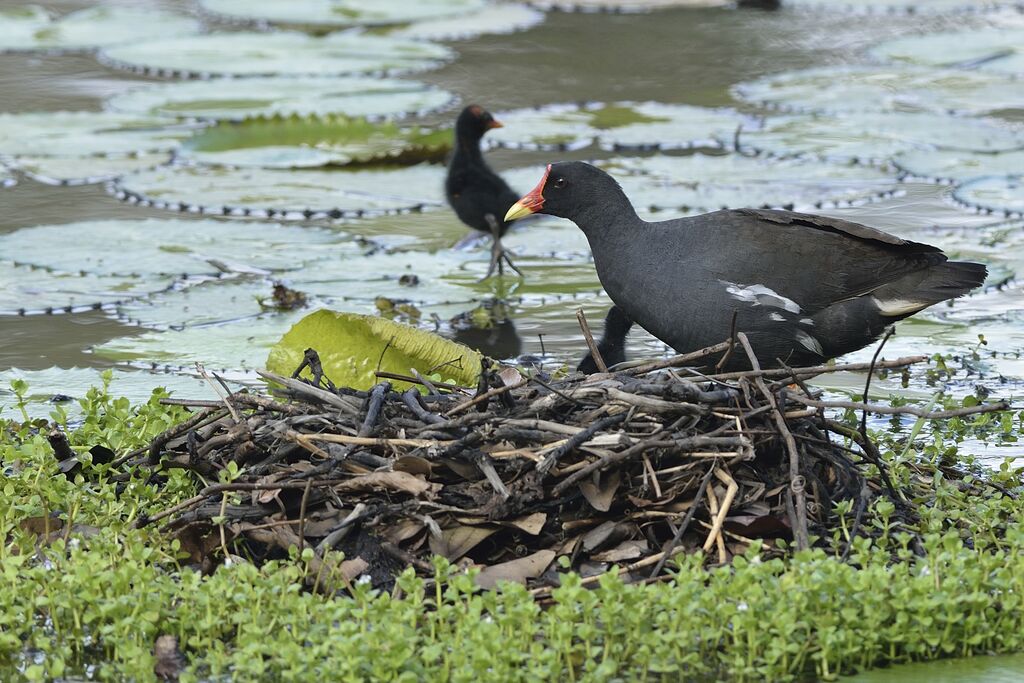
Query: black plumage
{"x": 478, "y": 195}
{"x": 612, "y": 345}
{"x": 804, "y": 288}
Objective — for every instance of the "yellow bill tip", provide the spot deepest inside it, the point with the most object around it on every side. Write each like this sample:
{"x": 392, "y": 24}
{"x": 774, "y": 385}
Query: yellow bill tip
{"x": 518, "y": 210}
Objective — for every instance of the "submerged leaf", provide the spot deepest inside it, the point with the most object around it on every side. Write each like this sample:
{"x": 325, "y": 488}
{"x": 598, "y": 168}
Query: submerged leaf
{"x": 500, "y": 18}
{"x": 990, "y": 49}
{"x": 995, "y": 193}
{"x": 312, "y": 142}
{"x": 272, "y": 54}
{"x": 30, "y": 28}
{"x": 245, "y": 98}
{"x": 875, "y": 137}
{"x": 885, "y": 88}
{"x": 340, "y": 13}
{"x": 352, "y": 347}
{"x": 285, "y": 194}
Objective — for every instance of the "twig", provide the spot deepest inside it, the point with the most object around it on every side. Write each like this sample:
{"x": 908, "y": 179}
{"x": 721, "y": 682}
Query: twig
{"x": 716, "y": 526}
{"x": 576, "y": 440}
{"x": 732, "y": 332}
{"x": 670, "y": 548}
{"x": 901, "y": 410}
{"x": 486, "y": 396}
{"x": 672, "y": 362}
{"x": 581, "y": 317}
{"x": 816, "y": 369}
{"x": 418, "y": 379}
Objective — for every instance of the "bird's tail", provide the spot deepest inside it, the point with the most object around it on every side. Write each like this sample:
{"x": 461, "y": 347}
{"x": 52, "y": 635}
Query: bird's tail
{"x": 942, "y": 281}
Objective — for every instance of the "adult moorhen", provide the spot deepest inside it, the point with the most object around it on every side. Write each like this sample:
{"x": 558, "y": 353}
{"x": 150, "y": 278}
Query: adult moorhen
{"x": 612, "y": 345}
{"x": 478, "y": 195}
{"x": 805, "y": 288}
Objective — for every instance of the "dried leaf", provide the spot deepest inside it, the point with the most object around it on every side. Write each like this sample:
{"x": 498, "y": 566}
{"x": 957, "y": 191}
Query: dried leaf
{"x": 601, "y": 495}
{"x": 395, "y": 481}
{"x": 604, "y": 535}
{"x": 457, "y": 541}
{"x": 531, "y": 524}
{"x": 627, "y": 550}
{"x": 517, "y": 571}
{"x": 413, "y": 464}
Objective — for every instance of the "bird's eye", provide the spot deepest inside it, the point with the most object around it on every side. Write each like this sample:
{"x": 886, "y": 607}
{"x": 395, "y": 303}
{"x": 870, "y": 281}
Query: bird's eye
{"x": 560, "y": 182}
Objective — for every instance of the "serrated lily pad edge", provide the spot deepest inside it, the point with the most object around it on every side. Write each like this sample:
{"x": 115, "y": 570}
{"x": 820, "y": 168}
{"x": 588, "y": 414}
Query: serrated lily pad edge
{"x": 981, "y": 208}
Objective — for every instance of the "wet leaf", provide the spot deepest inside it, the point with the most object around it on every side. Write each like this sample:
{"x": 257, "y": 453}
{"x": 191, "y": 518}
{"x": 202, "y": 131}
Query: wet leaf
{"x": 954, "y": 166}
{"x": 238, "y": 99}
{"x": 82, "y": 134}
{"x": 875, "y": 137}
{"x": 291, "y": 195}
{"x": 352, "y": 347}
{"x": 31, "y": 28}
{"x": 276, "y": 54}
{"x": 457, "y": 541}
{"x": 996, "y": 193}
{"x": 340, "y": 13}
{"x": 619, "y": 125}
{"x": 311, "y": 142}
{"x": 884, "y": 88}
{"x": 517, "y": 571}
{"x": 490, "y": 19}
{"x": 991, "y": 49}
{"x": 173, "y": 248}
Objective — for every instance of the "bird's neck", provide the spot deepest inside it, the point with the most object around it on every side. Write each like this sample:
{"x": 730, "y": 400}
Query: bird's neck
{"x": 468, "y": 148}
{"x": 610, "y": 226}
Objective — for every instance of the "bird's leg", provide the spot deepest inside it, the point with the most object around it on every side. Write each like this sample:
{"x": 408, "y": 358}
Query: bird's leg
{"x": 499, "y": 256}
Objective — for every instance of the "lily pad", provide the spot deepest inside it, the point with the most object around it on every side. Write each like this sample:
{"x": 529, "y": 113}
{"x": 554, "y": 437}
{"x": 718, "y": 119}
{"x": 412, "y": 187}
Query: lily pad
{"x": 901, "y": 6}
{"x": 340, "y": 13}
{"x": 75, "y": 383}
{"x": 26, "y": 290}
{"x": 80, "y": 134}
{"x": 623, "y": 5}
{"x": 276, "y": 54}
{"x": 205, "y": 303}
{"x": 953, "y": 166}
{"x": 619, "y": 125}
{"x": 149, "y": 248}
{"x": 992, "y": 49}
{"x": 62, "y": 170}
{"x": 291, "y": 195}
{"x": 237, "y": 99}
{"x": 876, "y": 137}
{"x": 501, "y": 18}
{"x": 234, "y": 349}
{"x": 310, "y": 142}
{"x": 352, "y": 347}
{"x": 1004, "y": 194}
{"x": 885, "y": 88}
{"x": 31, "y": 28}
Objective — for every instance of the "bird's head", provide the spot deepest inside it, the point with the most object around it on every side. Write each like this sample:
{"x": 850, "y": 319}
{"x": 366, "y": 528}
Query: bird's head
{"x": 568, "y": 189}
{"x": 474, "y": 121}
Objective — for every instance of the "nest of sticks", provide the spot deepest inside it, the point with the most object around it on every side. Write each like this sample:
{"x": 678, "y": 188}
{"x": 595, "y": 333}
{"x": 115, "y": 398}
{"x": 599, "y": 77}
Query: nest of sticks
{"x": 626, "y": 468}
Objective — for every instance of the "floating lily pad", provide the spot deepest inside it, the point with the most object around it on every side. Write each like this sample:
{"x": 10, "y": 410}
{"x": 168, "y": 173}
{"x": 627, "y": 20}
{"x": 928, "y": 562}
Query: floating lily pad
{"x": 1004, "y": 194}
{"x": 901, "y": 6}
{"x": 60, "y": 170}
{"x": 75, "y": 383}
{"x": 236, "y": 349}
{"x": 27, "y": 291}
{"x": 954, "y": 166}
{"x": 31, "y": 28}
{"x": 84, "y": 134}
{"x": 285, "y": 194}
{"x": 212, "y": 301}
{"x": 237, "y": 99}
{"x": 340, "y": 13}
{"x": 992, "y": 49}
{"x": 276, "y": 54}
{"x": 885, "y": 88}
{"x": 149, "y": 248}
{"x": 621, "y": 125}
{"x": 875, "y": 137}
{"x": 353, "y": 346}
{"x": 623, "y": 5}
{"x": 295, "y": 142}
{"x": 503, "y": 18}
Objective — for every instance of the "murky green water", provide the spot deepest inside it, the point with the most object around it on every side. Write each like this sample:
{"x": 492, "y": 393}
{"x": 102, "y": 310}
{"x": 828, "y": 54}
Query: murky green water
{"x": 692, "y": 57}
{"x": 1004, "y": 669}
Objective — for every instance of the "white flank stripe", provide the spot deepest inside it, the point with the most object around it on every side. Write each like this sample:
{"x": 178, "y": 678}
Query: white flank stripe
{"x": 809, "y": 342}
{"x": 760, "y": 295}
{"x": 894, "y": 307}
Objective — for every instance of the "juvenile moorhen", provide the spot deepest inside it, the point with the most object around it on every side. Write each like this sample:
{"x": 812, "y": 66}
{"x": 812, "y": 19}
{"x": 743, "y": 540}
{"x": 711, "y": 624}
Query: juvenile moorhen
{"x": 478, "y": 195}
{"x": 612, "y": 345}
{"x": 805, "y": 288}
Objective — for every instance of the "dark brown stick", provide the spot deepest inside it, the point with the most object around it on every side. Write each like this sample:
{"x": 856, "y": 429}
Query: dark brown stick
{"x": 581, "y": 317}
